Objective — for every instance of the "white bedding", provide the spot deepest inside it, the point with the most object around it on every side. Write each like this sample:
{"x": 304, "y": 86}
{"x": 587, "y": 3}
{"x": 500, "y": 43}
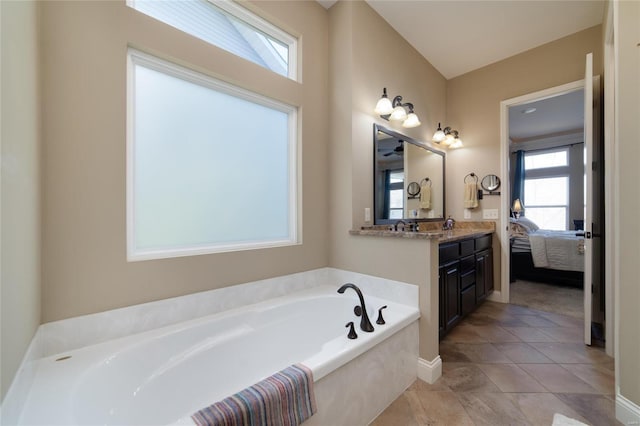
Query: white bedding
{"x": 560, "y": 250}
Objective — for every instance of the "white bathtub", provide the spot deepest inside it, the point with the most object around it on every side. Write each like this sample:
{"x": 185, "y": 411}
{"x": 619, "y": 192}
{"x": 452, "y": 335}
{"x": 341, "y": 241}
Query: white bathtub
{"x": 162, "y": 376}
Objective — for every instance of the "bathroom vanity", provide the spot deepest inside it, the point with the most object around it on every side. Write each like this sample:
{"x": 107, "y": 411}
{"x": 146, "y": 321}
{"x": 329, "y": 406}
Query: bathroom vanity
{"x": 465, "y": 276}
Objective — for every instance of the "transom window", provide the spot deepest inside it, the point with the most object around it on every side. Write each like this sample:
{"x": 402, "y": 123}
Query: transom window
{"x": 210, "y": 167}
{"x": 547, "y": 159}
{"x": 228, "y": 26}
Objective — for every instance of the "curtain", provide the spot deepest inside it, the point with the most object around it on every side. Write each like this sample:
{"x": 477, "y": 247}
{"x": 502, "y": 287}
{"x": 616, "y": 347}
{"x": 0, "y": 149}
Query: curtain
{"x": 387, "y": 194}
{"x": 518, "y": 180}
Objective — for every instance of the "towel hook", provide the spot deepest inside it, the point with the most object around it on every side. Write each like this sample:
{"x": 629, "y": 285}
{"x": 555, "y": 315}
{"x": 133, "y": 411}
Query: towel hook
{"x": 425, "y": 181}
{"x": 473, "y": 175}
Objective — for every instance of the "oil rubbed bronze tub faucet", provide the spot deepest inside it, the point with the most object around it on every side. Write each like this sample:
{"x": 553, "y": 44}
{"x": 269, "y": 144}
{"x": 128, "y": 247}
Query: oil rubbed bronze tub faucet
{"x": 361, "y": 311}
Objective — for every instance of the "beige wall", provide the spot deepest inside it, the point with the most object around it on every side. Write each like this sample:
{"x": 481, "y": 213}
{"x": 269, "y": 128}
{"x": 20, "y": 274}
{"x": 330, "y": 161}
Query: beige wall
{"x": 627, "y": 173}
{"x": 473, "y": 107}
{"x": 20, "y": 228}
{"x": 367, "y": 55}
{"x": 84, "y": 68}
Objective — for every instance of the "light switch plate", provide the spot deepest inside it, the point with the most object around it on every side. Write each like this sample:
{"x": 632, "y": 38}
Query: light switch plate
{"x": 467, "y": 214}
{"x": 367, "y": 214}
{"x": 490, "y": 213}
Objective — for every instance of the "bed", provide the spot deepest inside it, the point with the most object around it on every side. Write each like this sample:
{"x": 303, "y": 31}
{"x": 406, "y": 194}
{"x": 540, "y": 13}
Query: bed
{"x": 555, "y": 257}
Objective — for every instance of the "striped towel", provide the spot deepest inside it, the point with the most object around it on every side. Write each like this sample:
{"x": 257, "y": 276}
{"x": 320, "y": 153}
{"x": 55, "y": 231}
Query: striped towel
{"x": 284, "y": 399}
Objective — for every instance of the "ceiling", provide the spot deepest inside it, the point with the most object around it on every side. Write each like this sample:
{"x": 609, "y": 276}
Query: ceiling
{"x": 552, "y": 117}
{"x": 458, "y": 36}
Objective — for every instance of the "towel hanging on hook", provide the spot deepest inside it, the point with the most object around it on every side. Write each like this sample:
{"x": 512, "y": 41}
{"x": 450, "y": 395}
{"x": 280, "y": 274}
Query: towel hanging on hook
{"x": 425, "y": 193}
{"x": 471, "y": 191}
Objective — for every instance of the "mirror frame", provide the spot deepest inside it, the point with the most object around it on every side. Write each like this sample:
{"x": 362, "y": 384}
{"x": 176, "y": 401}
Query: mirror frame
{"x": 378, "y": 128}
{"x": 494, "y": 189}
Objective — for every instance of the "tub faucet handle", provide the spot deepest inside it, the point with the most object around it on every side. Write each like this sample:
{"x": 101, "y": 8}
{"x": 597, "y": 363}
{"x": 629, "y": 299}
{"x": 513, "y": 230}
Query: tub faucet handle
{"x": 352, "y": 331}
{"x": 380, "y": 320}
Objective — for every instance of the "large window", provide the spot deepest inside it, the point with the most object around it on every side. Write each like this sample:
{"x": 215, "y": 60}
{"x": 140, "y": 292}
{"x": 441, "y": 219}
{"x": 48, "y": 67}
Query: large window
{"x": 210, "y": 167}
{"x": 546, "y": 188}
{"x": 228, "y": 26}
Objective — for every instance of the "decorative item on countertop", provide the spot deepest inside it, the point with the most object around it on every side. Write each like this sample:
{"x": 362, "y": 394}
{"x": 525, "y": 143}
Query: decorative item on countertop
{"x": 425, "y": 193}
{"x": 448, "y": 224}
{"x": 471, "y": 191}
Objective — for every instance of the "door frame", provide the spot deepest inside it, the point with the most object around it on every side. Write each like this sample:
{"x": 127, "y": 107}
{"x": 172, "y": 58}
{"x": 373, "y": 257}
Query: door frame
{"x": 505, "y": 261}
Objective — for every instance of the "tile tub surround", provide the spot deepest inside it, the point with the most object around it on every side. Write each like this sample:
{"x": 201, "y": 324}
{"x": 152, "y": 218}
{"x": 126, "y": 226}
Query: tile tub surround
{"x": 73, "y": 333}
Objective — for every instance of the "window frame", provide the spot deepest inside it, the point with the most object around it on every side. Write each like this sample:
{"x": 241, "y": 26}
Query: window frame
{"x": 136, "y": 57}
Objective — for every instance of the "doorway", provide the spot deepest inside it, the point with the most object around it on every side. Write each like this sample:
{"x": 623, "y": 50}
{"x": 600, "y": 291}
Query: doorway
{"x": 547, "y": 146}
{"x": 542, "y": 133}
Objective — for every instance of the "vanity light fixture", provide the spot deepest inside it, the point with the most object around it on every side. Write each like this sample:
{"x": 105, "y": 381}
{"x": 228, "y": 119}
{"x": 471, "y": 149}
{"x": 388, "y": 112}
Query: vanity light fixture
{"x": 396, "y": 110}
{"x": 448, "y": 137}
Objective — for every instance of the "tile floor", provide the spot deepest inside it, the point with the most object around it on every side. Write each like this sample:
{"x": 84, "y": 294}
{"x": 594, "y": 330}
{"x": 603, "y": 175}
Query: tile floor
{"x": 511, "y": 365}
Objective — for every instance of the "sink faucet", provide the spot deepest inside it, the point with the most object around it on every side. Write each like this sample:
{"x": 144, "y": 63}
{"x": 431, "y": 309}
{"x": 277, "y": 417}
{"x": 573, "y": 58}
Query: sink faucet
{"x": 365, "y": 324}
{"x": 404, "y": 224}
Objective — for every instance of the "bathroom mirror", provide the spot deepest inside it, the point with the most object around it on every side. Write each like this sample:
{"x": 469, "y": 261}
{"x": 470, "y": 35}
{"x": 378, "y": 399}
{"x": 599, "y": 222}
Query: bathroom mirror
{"x": 408, "y": 178}
{"x": 490, "y": 183}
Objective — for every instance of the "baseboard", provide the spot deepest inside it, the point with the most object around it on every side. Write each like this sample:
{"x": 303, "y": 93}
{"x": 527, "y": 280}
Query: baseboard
{"x": 496, "y": 296}
{"x": 627, "y": 411}
{"x": 430, "y": 371}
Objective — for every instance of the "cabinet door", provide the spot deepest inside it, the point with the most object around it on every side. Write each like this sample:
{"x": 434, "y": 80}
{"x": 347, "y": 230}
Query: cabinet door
{"x": 488, "y": 276}
{"x": 452, "y": 292}
{"x": 481, "y": 276}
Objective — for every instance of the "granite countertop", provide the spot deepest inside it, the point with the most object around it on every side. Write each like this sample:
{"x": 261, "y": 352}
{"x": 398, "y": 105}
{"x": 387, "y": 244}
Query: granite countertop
{"x": 432, "y": 230}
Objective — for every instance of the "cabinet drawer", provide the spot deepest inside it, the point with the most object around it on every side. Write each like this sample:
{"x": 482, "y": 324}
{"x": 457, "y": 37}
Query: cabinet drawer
{"x": 449, "y": 252}
{"x": 466, "y": 247}
{"x": 468, "y": 297}
{"x": 483, "y": 242}
{"x": 467, "y": 279}
{"x": 467, "y": 264}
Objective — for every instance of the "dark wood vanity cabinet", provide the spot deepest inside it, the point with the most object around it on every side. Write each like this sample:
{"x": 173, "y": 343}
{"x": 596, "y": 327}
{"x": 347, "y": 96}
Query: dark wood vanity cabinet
{"x": 465, "y": 278}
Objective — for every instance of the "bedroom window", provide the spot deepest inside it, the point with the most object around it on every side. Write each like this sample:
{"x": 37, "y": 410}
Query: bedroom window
{"x": 211, "y": 167}
{"x": 396, "y": 195}
{"x": 546, "y": 202}
{"x": 229, "y": 26}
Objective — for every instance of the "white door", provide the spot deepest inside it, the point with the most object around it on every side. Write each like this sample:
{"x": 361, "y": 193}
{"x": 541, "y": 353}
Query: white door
{"x": 588, "y": 215}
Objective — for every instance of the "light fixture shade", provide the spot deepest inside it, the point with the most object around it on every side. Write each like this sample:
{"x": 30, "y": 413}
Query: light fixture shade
{"x": 398, "y": 114}
{"x": 457, "y": 143}
{"x": 517, "y": 206}
{"x": 448, "y": 139}
{"x": 384, "y": 107}
{"x": 411, "y": 121}
{"x": 439, "y": 135}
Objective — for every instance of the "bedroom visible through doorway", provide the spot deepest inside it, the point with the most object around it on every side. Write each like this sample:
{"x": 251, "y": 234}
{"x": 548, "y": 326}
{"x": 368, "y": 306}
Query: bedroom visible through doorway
{"x": 545, "y": 158}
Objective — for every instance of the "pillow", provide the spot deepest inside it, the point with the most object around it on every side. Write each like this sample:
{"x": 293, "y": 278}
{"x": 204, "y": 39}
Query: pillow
{"x": 517, "y": 230}
{"x": 528, "y": 223}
